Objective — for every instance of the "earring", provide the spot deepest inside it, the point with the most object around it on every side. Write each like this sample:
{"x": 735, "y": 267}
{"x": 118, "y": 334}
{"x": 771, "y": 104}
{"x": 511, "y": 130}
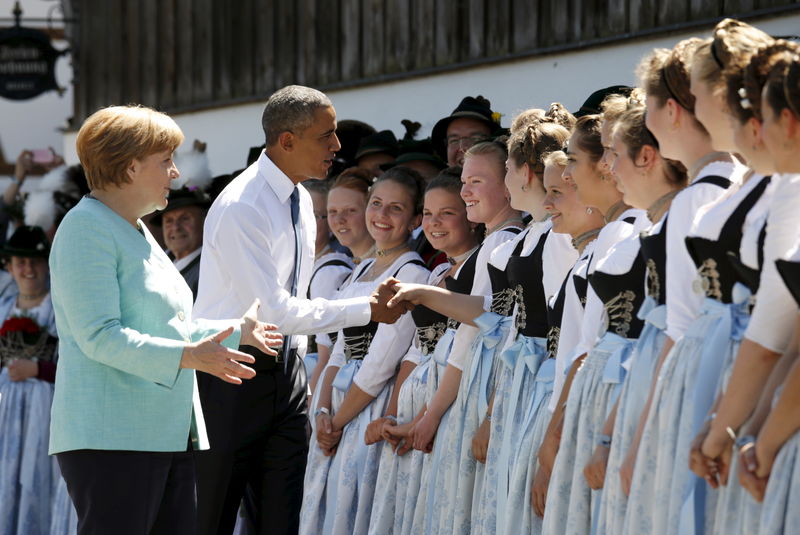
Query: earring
{"x": 524, "y": 187}
{"x": 588, "y": 211}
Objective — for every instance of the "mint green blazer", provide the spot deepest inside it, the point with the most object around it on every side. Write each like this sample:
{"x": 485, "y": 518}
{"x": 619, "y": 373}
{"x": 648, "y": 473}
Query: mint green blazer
{"x": 123, "y": 315}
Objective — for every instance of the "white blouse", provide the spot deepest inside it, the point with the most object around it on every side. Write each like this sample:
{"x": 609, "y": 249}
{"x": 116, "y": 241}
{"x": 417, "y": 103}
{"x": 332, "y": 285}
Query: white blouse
{"x": 571, "y": 321}
{"x": 391, "y": 341}
{"x": 683, "y": 304}
{"x": 482, "y": 286}
{"x": 772, "y": 319}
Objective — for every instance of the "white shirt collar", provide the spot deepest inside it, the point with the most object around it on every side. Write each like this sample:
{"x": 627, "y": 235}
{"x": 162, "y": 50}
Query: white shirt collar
{"x": 186, "y": 260}
{"x": 276, "y": 179}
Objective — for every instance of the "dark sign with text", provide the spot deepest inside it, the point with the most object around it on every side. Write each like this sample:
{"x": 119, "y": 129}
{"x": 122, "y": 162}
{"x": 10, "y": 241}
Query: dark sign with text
{"x": 27, "y": 63}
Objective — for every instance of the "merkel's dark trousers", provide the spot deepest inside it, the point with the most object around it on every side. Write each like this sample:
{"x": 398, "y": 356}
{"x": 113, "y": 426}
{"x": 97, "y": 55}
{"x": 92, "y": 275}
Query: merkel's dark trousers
{"x": 131, "y": 492}
{"x": 259, "y": 446}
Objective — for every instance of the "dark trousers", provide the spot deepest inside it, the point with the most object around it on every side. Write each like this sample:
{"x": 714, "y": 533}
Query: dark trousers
{"x": 259, "y": 446}
{"x": 131, "y": 492}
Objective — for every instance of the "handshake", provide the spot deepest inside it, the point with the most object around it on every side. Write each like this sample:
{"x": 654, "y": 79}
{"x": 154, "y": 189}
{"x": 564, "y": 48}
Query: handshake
{"x": 391, "y": 300}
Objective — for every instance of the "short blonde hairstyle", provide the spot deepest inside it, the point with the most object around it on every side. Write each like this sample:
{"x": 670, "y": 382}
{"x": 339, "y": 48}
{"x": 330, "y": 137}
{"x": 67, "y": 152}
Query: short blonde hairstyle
{"x": 111, "y": 138}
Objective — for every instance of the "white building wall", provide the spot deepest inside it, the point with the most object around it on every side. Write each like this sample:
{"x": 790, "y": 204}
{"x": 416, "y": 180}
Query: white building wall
{"x": 511, "y": 87}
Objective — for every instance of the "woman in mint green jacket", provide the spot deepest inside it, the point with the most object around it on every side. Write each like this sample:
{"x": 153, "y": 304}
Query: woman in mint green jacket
{"x": 126, "y": 413}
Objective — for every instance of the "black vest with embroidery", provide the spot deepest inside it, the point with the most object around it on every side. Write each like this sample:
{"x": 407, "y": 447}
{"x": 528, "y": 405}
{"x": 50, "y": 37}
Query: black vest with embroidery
{"x": 358, "y": 339}
{"x": 462, "y": 283}
{"x": 654, "y": 249}
{"x": 717, "y": 276}
{"x": 503, "y": 295}
{"x": 790, "y": 272}
{"x": 554, "y": 314}
{"x": 556, "y": 311}
{"x": 525, "y": 275}
{"x": 654, "y": 255}
{"x": 622, "y": 296}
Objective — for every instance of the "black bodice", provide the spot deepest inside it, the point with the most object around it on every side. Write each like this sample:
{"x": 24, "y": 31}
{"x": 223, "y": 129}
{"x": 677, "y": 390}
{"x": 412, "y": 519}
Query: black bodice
{"x": 525, "y": 275}
{"x": 790, "y": 272}
{"x": 430, "y": 327}
{"x": 751, "y": 277}
{"x": 717, "y": 275}
{"x": 556, "y": 311}
{"x": 358, "y": 339}
{"x": 554, "y": 314}
{"x": 654, "y": 255}
{"x": 462, "y": 282}
{"x": 504, "y": 295}
{"x": 622, "y": 296}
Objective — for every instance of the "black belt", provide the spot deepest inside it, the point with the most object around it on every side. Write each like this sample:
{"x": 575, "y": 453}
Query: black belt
{"x": 267, "y": 363}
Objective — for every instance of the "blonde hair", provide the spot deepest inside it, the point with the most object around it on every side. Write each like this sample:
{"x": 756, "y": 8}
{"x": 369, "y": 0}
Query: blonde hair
{"x": 557, "y": 158}
{"x": 496, "y": 149}
{"x": 111, "y": 138}
{"x": 614, "y": 105}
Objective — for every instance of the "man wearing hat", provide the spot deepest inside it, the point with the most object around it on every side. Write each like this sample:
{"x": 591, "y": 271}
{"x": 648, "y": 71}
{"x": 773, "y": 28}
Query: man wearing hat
{"x": 182, "y": 226}
{"x": 471, "y": 122}
{"x": 377, "y": 150}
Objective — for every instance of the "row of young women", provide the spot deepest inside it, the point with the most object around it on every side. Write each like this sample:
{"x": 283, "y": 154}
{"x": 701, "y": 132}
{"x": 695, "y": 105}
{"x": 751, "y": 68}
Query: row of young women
{"x": 624, "y": 363}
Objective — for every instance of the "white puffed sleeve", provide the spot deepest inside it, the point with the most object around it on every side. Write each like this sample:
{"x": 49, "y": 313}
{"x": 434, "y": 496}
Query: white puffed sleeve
{"x": 773, "y": 317}
{"x": 337, "y": 358}
{"x": 683, "y": 303}
{"x": 390, "y": 343}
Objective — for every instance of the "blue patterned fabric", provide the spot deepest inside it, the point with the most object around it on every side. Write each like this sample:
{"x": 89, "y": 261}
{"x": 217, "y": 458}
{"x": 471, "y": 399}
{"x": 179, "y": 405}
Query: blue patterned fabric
{"x": 666, "y": 498}
{"x": 517, "y": 401}
{"x": 399, "y": 476}
{"x": 632, "y": 399}
{"x": 571, "y": 504}
{"x": 780, "y": 513}
{"x": 28, "y": 476}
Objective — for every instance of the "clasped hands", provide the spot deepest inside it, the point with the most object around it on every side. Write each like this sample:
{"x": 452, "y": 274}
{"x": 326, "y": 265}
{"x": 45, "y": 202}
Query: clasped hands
{"x": 210, "y": 356}
{"x": 392, "y": 299}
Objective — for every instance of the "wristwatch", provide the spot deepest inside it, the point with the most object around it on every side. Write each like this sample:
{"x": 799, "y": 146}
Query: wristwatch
{"x": 322, "y": 410}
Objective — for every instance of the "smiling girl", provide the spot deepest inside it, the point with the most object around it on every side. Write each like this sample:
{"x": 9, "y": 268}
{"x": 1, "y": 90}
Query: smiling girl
{"x": 445, "y": 223}
{"x": 358, "y": 381}
{"x": 451, "y": 481}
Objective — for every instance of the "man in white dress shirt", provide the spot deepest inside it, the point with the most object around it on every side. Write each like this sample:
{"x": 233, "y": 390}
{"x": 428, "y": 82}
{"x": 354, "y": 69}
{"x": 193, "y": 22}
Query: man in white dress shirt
{"x": 257, "y": 430}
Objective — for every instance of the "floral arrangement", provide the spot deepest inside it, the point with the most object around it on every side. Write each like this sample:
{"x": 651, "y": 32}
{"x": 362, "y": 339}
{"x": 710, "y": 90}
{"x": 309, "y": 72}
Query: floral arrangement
{"x": 22, "y": 338}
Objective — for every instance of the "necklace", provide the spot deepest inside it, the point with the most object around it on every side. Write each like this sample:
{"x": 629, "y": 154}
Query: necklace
{"x": 580, "y": 242}
{"x": 30, "y": 297}
{"x": 370, "y": 252}
{"x": 702, "y": 162}
{"x": 374, "y": 270}
{"x": 655, "y": 211}
{"x": 453, "y": 260}
{"x": 516, "y": 220}
{"x": 387, "y": 252}
{"x": 614, "y": 211}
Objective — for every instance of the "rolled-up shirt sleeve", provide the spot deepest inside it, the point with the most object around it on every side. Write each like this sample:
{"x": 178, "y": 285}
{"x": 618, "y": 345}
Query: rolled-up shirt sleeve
{"x": 241, "y": 235}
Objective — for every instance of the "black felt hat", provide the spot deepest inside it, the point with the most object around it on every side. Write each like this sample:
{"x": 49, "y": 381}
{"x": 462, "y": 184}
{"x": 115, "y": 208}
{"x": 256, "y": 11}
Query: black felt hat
{"x": 416, "y": 150}
{"x": 592, "y": 104}
{"x": 180, "y": 198}
{"x": 478, "y": 108}
{"x": 27, "y": 241}
{"x": 383, "y": 141}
